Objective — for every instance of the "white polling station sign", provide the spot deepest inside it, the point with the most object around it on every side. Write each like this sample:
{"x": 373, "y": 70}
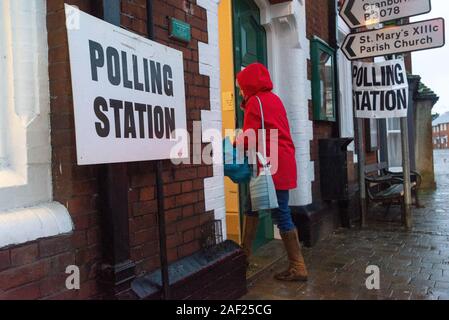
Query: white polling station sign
{"x": 380, "y": 89}
{"x": 128, "y": 94}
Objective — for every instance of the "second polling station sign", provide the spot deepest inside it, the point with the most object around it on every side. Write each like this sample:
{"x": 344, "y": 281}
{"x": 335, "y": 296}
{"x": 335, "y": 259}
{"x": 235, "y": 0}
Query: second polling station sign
{"x": 128, "y": 93}
{"x": 380, "y": 89}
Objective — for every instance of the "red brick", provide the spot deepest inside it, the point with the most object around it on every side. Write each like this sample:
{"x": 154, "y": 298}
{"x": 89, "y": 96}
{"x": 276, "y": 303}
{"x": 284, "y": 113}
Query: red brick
{"x": 186, "y": 198}
{"x": 188, "y": 236}
{"x": 172, "y": 189}
{"x": 188, "y": 249}
{"x": 54, "y": 5}
{"x": 187, "y": 186}
{"x": 188, "y": 211}
{"x": 143, "y": 208}
{"x": 82, "y": 205}
{"x": 27, "y": 292}
{"x": 5, "y": 261}
{"x": 173, "y": 215}
{"x": 79, "y": 239}
{"x": 53, "y": 284}
{"x": 186, "y": 174}
{"x": 147, "y": 194}
{"x": 17, "y": 277}
{"x": 24, "y": 255}
{"x": 188, "y": 223}
{"x": 54, "y": 246}
{"x": 140, "y": 237}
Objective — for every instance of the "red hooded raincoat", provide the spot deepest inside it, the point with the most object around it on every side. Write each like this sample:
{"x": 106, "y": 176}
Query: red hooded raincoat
{"x": 255, "y": 81}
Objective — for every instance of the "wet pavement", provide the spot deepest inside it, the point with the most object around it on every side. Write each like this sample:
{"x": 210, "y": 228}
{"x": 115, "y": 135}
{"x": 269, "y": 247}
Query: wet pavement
{"x": 412, "y": 265}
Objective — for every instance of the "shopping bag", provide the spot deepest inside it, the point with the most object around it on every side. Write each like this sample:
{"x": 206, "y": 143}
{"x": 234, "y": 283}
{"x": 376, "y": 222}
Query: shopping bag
{"x": 236, "y": 165}
{"x": 262, "y": 188}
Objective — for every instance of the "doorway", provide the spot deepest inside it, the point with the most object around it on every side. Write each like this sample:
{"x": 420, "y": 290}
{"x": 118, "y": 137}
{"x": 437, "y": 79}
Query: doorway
{"x": 242, "y": 42}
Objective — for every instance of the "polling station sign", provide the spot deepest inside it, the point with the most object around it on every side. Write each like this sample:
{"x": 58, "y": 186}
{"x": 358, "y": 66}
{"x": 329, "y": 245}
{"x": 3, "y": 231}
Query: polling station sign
{"x": 380, "y": 89}
{"x": 128, "y": 94}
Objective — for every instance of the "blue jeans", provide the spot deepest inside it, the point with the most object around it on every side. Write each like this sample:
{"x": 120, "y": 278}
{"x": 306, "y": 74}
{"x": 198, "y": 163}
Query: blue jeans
{"x": 282, "y": 216}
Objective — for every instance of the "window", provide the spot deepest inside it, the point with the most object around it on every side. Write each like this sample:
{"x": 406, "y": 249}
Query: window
{"x": 323, "y": 81}
{"x": 3, "y": 97}
{"x": 372, "y": 135}
{"x": 27, "y": 211}
{"x": 394, "y": 143}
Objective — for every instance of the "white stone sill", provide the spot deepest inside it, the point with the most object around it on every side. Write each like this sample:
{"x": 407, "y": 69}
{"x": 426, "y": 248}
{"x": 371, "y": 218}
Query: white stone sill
{"x": 10, "y": 178}
{"x": 23, "y": 225}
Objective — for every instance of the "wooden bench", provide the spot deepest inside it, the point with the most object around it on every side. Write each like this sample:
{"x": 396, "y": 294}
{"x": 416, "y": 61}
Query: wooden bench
{"x": 386, "y": 187}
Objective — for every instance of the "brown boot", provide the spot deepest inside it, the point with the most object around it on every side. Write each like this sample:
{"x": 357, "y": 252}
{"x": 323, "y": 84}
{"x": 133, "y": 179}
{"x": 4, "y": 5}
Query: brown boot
{"x": 297, "y": 270}
{"x": 249, "y": 234}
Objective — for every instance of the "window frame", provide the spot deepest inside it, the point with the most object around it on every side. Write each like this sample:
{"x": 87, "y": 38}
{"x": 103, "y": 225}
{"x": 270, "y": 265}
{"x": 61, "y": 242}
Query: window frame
{"x": 27, "y": 209}
{"x": 319, "y": 46}
{"x": 371, "y": 146}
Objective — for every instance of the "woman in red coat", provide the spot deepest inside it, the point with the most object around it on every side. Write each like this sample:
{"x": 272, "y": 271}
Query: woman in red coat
{"x": 255, "y": 82}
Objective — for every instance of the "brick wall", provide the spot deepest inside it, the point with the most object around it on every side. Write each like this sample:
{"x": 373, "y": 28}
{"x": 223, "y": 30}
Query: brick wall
{"x": 319, "y": 23}
{"x": 37, "y": 269}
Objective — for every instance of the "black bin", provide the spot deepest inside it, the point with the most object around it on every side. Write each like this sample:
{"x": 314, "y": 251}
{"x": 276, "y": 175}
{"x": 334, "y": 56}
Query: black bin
{"x": 333, "y": 154}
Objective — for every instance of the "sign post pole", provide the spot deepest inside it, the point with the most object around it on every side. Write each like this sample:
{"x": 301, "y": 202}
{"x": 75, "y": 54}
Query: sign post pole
{"x": 162, "y": 230}
{"x": 361, "y": 167}
{"x": 361, "y": 160}
{"x": 407, "y": 214}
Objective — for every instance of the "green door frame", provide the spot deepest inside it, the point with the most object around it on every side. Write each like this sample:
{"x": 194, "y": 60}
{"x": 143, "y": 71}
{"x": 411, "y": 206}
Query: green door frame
{"x": 246, "y": 51}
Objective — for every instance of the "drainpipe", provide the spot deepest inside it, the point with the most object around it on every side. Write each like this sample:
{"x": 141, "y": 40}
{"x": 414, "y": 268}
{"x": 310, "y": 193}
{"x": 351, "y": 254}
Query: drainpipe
{"x": 118, "y": 271}
{"x": 150, "y": 20}
{"x": 160, "y": 189}
{"x": 334, "y": 18}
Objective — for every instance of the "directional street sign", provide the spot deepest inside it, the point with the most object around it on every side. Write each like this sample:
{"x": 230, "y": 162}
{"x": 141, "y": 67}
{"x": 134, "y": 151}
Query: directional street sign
{"x": 417, "y": 36}
{"x": 360, "y": 13}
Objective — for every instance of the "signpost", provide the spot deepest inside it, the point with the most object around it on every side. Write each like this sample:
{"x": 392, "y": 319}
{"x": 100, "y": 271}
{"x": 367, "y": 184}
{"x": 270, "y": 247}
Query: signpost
{"x": 416, "y": 36}
{"x": 371, "y": 81}
{"x": 358, "y": 13}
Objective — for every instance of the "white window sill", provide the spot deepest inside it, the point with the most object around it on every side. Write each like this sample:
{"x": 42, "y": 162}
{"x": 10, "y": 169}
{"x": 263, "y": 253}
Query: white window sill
{"x": 28, "y": 224}
{"x": 10, "y": 178}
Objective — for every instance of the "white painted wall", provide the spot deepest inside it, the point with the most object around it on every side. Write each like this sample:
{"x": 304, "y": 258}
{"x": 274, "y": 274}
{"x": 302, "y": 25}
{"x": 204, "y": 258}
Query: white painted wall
{"x": 26, "y": 209}
{"x": 288, "y": 52}
{"x": 209, "y": 59}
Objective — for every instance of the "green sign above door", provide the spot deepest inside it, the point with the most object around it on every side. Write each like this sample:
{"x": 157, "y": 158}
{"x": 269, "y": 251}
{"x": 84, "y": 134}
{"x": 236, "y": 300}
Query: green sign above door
{"x": 180, "y": 30}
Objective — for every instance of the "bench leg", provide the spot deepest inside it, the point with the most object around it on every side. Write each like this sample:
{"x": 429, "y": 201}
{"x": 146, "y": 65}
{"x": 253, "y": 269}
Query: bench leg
{"x": 417, "y": 202}
{"x": 403, "y": 211}
{"x": 387, "y": 212}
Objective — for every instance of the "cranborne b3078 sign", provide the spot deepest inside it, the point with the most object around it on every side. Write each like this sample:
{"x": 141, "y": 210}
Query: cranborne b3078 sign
{"x": 128, "y": 94}
{"x": 360, "y": 13}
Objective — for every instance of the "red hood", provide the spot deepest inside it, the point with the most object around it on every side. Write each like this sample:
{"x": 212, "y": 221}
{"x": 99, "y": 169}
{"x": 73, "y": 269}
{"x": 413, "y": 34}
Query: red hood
{"x": 253, "y": 79}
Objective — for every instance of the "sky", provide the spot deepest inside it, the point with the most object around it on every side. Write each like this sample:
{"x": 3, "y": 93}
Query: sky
{"x": 433, "y": 65}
